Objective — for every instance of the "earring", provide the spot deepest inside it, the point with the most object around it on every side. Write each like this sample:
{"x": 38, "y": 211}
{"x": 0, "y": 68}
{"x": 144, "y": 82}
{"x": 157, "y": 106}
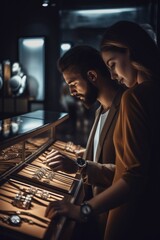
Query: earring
{"x": 92, "y": 77}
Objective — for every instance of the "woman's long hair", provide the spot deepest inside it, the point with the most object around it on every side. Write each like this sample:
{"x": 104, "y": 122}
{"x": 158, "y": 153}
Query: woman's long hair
{"x": 144, "y": 52}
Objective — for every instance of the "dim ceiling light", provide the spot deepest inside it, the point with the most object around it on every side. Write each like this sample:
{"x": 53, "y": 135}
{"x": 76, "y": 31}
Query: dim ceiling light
{"x": 45, "y": 3}
{"x": 35, "y": 43}
{"x": 105, "y": 11}
{"x": 65, "y": 46}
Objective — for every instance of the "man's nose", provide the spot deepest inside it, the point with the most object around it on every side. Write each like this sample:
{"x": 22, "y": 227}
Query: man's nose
{"x": 72, "y": 90}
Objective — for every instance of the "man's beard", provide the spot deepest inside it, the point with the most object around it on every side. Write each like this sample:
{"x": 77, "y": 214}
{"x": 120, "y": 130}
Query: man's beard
{"x": 91, "y": 96}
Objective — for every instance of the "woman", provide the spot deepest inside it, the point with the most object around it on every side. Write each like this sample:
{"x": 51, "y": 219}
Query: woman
{"x": 133, "y": 203}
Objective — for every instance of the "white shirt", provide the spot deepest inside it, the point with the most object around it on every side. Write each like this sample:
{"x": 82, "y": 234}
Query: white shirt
{"x": 100, "y": 125}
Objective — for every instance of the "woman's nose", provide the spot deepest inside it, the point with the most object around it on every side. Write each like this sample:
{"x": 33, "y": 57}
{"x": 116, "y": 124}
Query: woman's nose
{"x": 113, "y": 74}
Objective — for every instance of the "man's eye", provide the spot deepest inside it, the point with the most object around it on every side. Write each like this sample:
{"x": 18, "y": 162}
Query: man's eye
{"x": 72, "y": 84}
{"x": 75, "y": 84}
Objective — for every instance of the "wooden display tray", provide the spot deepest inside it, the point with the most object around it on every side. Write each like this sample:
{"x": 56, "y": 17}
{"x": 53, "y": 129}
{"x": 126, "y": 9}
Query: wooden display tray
{"x": 59, "y": 181}
{"x": 68, "y": 149}
{"x": 35, "y": 225}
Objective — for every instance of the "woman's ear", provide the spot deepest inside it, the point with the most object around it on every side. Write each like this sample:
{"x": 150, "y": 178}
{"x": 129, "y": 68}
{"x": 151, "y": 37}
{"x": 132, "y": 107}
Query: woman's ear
{"x": 92, "y": 75}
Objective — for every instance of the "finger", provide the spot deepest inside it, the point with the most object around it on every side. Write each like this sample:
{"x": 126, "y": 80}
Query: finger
{"x": 53, "y": 163}
{"x": 47, "y": 210}
{"x": 52, "y": 208}
{"x": 51, "y": 151}
{"x": 53, "y": 158}
{"x": 56, "y": 169}
{"x": 52, "y": 213}
{"x": 52, "y": 154}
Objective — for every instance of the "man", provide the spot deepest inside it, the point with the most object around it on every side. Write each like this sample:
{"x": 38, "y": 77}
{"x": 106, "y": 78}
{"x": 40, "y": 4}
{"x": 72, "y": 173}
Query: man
{"x": 89, "y": 80}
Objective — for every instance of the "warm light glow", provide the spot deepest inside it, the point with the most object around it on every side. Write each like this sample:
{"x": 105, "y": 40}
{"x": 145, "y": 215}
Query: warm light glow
{"x": 33, "y": 43}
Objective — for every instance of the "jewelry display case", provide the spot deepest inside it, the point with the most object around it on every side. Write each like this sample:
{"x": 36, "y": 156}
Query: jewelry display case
{"x": 27, "y": 184}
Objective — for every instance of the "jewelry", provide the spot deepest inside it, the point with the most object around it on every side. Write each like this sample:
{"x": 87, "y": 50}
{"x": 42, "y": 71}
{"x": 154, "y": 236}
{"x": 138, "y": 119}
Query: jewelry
{"x": 24, "y": 213}
{"x": 22, "y": 200}
{"x": 15, "y": 220}
{"x": 68, "y": 146}
{"x": 37, "y": 192}
{"x": 48, "y": 175}
{"x": 41, "y": 173}
{"x": 11, "y": 152}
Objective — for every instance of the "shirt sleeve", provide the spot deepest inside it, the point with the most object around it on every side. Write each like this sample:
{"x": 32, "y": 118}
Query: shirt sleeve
{"x": 99, "y": 174}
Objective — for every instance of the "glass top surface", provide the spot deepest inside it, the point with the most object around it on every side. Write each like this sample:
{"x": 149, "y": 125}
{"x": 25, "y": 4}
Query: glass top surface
{"x": 22, "y": 124}
{"x": 47, "y": 116}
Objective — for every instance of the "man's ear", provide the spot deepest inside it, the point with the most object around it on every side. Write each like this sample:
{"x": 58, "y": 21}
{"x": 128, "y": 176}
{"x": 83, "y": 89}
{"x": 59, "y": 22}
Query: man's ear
{"x": 92, "y": 75}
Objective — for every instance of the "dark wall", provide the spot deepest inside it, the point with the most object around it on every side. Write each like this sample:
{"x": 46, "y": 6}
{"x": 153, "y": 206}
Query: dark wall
{"x": 28, "y": 18}
{"x": 158, "y": 23}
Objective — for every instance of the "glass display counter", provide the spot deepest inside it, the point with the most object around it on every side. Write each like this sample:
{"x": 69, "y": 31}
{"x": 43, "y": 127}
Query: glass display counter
{"x": 27, "y": 184}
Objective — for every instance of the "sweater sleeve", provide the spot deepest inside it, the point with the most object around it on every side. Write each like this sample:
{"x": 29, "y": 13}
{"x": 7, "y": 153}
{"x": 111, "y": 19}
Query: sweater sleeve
{"x": 132, "y": 141}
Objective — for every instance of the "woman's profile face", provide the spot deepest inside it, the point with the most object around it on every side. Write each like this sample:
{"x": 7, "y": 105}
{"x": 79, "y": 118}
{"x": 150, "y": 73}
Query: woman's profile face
{"x": 120, "y": 67}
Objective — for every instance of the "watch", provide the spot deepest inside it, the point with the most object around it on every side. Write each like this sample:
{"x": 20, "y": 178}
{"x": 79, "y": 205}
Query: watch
{"x": 85, "y": 211}
{"x": 81, "y": 162}
{"x": 14, "y": 220}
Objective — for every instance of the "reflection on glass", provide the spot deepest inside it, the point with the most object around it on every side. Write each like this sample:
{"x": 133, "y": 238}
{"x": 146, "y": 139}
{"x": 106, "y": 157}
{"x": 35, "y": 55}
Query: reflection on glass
{"x": 18, "y": 125}
{"x": 10, "y": 157}
{"x": 17, "y": 153}
{"x": 31, "y": 56}
{"x": 65, "y": 47}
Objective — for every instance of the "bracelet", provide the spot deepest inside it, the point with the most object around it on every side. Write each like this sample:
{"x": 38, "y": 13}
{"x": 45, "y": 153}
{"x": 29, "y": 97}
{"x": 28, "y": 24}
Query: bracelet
{"x": 24, "y": 213}
{"x": 16, "y": 220}
{"x": 37, "y": 193}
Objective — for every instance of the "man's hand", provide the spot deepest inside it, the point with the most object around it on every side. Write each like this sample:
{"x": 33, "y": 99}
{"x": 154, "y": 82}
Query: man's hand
{"x": 58, "y": 162}
{"x": 63, "y": 208}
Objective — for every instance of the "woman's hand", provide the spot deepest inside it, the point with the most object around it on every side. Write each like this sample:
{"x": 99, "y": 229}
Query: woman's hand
{"x": 59, "y": 162}
{"x": 63, "y": 208}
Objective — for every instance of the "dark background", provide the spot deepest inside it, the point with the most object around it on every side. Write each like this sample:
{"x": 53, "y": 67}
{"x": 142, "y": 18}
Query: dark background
{"x": 60, "y": 23}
